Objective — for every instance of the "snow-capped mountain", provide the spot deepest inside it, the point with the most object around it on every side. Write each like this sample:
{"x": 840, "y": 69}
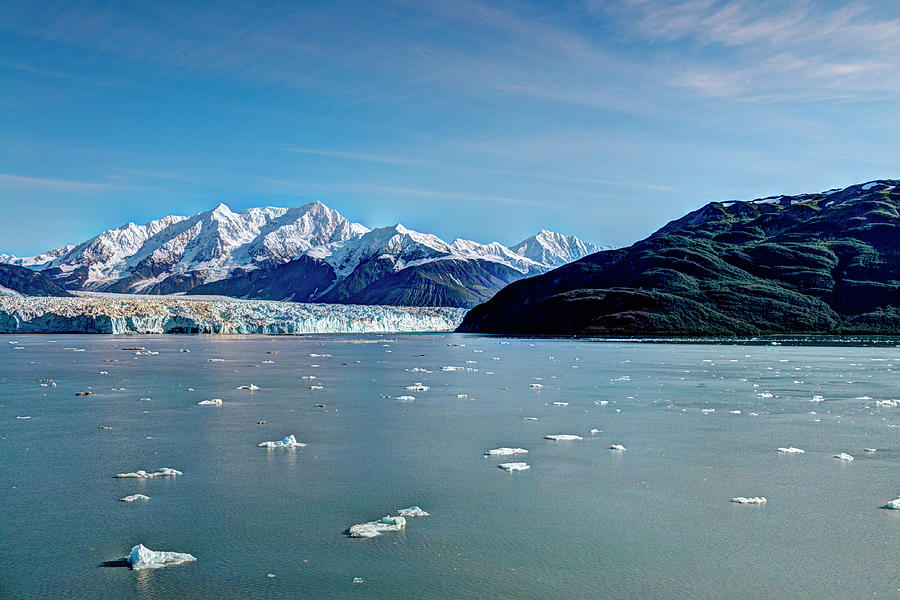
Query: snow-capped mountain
{"x": 553, "y": 249}
{"x": 306, "y": 253}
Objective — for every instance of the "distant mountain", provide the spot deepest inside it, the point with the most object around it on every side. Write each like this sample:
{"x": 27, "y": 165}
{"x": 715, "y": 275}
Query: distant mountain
{"x": 309, "y": 253}
{"x": 21, "y": 281}
{"x": 814, "y": 263}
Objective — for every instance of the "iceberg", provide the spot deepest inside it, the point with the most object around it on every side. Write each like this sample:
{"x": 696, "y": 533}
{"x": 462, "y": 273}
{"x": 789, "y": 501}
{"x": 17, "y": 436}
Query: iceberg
{"x": 536, "y": 386}
{"x": 141, "y": 474}
{"x": 557, "y": 403}
{"x": 412, "y": 511}
{"x": 562, "y": 437}
{"x": 753, "y": 500}
{"x": 617, "y": 447}
{"x": 893, "y": 505}
{"x": 843, "y": 456}
{"x": 406, "y": 398}
{"x": 791, "y": 450}
{"x": 418, "y": 387}
{"x": 250, "y": 387}
{"x": 213, "y": 402}
{"x": 505, "y": 452}
{"x": 514, "y": 466}
{"x": 288, "y": 441}
{"x": 375, "y": 528}
{"x": 142, "y": 557}
{"x": 134, "y": 497}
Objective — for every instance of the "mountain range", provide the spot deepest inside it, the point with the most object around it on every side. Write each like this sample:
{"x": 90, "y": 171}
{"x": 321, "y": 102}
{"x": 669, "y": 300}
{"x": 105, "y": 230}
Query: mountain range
{"x": 814, "y": 263}
{"x": 309, "y": 253}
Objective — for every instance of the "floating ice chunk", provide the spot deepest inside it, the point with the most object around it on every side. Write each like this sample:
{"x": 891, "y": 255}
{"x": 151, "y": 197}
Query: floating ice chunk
{"x": 707, "y": 410}
{"x": 462, "y": 396}
{"x": 375, "y": 528}
{"x": 144, "y": 558}
{"x": 617, "y": 448}
{"x": 23, "y": 418}
{"x": 406, "y": 398}
{"x": 559, "y": 403}
{"x": 562, "y": 437}
{"x": 288, "y": 441}
{"x": 536, "y": 386}
{"x": 891, "y": 403}
{"x": 817, "y": 399}
{"x": 134, "y": 497}
{"x": 863, "y": 398}
{"x": 601, "y": 402}
{"x": 514, "y": 466}
{"x": 418, "y": 387}
{"x": 317, "y": 387}
{"x": 843, "y": 456}
{"x": 869, "y": 450}
{"x": 893, "y": 505}
{"x": 141, "y": 474}
{"x": 764, "y": 395}
{"x": 529, "y": 418}
{"x": 505, "y": 451}
{"x": 215, "y": 360}
{"x": 791, "y": 450}
{"x": 320, "y": 355}
{"x": 452, "y": 368}
{"x": 412, "y": 511}
{"x": 753, "y": 500}
{"x": 735, "y": 412}
{"x": 250, "y": 387}
{"x": 593, "y": 431}
{"x": 213, "y": 402}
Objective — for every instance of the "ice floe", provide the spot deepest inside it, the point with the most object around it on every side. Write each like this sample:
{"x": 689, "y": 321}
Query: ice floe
{"x": 418, "y": 387}
{"x": 557, "y": 403}
{"x": 617, "y": 447}
{"x": 375, "y": 528}
{"x": 250, "y": 387}
{"x": 505, "y": 451}
{"x": 142, "y": 557}
{"x": 514, "y": 466}
{"x": 288, "y": 441}
{"x": 134, "y": 497}
{"x": 752, "y": 500}
{"x": 843, "y": 456}
{"x": 213, "y": 402}
{"x": 141, "y": 474}
{"x": 893, "y": 505}
{"x": 412, "y": 511}
{"x": 562, "y": 437}
{"x": 406, "y": 398}
{"x": 791, "y": 450}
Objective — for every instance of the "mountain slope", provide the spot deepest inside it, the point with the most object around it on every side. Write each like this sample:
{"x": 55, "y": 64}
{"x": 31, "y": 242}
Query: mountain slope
{"x": 305, "y": 254}
{"x": 21, "y": 281}
{"x": 815, "y": 263}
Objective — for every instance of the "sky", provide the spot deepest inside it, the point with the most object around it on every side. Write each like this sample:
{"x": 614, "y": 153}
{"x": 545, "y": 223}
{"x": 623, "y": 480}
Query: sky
{"x": 482, "y": 120}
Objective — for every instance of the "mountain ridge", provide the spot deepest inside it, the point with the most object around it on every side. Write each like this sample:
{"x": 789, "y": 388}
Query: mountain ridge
{"x": 243, "y": 254}
{"x": 810, "y": 263}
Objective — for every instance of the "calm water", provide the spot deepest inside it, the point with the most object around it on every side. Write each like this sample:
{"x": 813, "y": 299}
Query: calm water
{"x": 584, "y": 522}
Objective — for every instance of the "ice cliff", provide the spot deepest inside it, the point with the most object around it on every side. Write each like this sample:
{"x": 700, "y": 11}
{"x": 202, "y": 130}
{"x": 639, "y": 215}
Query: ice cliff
{"x": 142, "y": 314}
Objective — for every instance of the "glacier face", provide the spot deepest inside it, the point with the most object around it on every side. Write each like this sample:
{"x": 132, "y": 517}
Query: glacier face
{"x": 118, "y": 313}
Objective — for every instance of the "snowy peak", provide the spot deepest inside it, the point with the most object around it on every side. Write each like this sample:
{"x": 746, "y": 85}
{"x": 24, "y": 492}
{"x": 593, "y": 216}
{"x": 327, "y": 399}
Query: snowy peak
{"x": 177, "y": 253}
{"x": 554, "y": 249}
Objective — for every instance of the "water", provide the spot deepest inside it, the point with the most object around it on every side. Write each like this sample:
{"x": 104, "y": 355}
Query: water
{"x": 584, "y": 522}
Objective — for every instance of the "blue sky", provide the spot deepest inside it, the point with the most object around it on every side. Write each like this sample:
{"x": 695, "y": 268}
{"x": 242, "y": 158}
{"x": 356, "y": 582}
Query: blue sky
{"x": 483, "y": 120}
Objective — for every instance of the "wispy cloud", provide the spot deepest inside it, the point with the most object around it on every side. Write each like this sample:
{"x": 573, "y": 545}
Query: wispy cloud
{"x": 42, "y": 184}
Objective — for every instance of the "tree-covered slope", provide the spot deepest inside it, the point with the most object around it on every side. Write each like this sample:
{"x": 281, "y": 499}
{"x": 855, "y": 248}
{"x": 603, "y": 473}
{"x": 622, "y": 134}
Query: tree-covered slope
{"x": 815, "y": 263}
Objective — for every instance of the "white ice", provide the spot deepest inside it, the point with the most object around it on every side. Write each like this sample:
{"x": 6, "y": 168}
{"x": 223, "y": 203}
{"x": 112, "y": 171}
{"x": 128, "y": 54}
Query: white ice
{"x": 134, "y": 497}
{"x": 374, "y": 528}
{"x": 752, "y": 500}
{"x": 792, "y": 450}
{"x": 562, "y": 437}
{"x": 141, "y": 474}
{"x": 843, "y": 456}
{"x": 412, "y": 511}
{"x": 288, "y": 441}
{"x": 514, "y": 466}
{"x": 213, "y": 402}
{"x": 144, "y": 558}
{"x": 505, "y": 451}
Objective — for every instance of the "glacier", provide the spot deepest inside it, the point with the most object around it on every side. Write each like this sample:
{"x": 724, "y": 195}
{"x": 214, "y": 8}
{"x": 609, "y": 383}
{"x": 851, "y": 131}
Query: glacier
{"x": 142, "y": 557}
{"x": 121, "y": 313}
